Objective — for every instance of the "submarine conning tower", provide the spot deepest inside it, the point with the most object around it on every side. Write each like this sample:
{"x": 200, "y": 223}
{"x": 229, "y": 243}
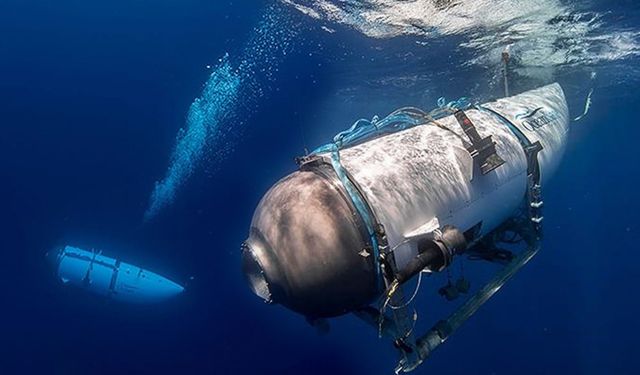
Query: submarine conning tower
{"x": 407, "y": 196}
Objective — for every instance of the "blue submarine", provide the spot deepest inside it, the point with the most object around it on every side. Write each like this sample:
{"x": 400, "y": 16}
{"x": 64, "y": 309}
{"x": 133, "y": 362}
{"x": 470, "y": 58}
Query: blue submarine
{"x": 111, "y": 277}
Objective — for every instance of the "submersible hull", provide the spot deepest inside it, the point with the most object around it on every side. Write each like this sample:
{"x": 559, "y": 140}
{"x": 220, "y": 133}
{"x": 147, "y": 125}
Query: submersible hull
{"x": 320, "y": 238}
{"x": 111, "y": 277}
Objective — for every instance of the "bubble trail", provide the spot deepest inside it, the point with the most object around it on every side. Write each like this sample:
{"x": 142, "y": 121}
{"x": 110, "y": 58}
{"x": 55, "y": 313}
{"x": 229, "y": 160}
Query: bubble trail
{"x": 205, "y": 114}
{"x": 227, "y": 91}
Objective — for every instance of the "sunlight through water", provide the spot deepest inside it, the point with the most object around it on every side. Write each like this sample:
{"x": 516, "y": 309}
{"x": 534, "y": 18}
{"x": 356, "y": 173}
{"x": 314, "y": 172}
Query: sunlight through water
{"x": 542, "y": 33}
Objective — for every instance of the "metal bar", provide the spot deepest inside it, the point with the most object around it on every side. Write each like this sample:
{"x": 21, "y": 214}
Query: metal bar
{"x": 441, "y": 331}
{"x": 505, "y": 71}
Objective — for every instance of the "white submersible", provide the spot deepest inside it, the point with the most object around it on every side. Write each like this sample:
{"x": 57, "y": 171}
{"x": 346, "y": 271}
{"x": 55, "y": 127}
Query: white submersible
{"x": 393, "y": 197}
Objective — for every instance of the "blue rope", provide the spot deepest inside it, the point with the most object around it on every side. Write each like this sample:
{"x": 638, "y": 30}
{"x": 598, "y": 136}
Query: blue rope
{"x": 404, "y": 118}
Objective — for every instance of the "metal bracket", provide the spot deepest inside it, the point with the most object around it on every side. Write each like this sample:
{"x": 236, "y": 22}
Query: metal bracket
{"x": 482, "y": 150}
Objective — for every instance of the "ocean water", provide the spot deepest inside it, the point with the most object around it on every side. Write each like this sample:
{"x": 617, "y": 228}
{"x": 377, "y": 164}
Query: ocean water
{"x": 150, "y": 130}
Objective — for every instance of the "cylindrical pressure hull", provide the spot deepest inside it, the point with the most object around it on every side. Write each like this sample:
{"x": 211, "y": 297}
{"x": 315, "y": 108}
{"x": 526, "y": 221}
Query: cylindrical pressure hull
{"x": 424, "y": 175}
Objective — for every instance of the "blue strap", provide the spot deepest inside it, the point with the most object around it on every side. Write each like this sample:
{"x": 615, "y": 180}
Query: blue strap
{"x": 361, "y": 205}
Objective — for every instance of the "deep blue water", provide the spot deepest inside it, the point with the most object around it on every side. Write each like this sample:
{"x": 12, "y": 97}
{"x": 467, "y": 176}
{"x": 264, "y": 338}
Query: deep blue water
{"x": 92, "y": 95}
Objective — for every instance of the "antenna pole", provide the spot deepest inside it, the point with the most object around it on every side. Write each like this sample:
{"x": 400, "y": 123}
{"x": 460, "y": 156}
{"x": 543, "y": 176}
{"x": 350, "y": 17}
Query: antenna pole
{"x": 505, "y": 65}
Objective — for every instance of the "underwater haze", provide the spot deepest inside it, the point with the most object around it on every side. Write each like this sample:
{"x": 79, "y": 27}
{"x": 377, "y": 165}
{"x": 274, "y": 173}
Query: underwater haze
{"x": 149, "y": 130}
